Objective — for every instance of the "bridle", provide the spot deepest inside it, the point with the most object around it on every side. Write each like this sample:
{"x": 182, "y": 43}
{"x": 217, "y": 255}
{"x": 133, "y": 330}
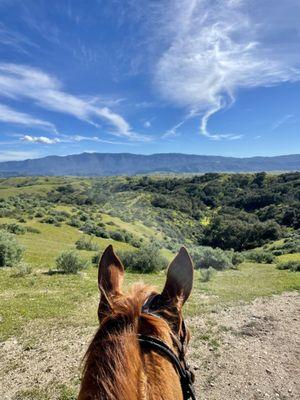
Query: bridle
{"x": 178, "y": 361}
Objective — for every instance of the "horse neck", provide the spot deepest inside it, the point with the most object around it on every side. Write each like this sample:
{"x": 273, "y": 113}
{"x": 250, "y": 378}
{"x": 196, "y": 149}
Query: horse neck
{"x": 112, "y": 370}
{"x": 161, "y": 381}
{"x": 118, "y": 371}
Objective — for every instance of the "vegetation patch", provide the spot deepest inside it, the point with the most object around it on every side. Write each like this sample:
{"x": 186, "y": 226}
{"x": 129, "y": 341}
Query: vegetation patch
{"x": 145, "y": 260}
{"x": 293, "y": 266}
{"x": 10, "y": 250}
{"x": 69, "y": 262}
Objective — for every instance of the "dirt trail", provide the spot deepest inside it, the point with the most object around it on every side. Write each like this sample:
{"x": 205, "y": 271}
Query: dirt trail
{"x": 247, "y": 352}
{"x": 255, "y": 353}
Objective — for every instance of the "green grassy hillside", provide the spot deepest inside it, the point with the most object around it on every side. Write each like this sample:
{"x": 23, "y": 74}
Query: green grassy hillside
{"x": 131, "y": 212}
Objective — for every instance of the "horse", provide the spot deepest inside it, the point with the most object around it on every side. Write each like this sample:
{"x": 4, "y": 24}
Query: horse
{"x": 138, "y": 351}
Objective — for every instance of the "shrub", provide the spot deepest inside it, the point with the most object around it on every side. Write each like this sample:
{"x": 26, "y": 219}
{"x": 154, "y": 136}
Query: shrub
{"x": 237, "y": 258}
{"x": 10, "y": 249}
{"x": 49, "y": 220}
{"x": 206, "y": 274}
{"x": 118, "y": 236}
{"x": 96, "y": 259}
{"x": 14, "y": 228}
{"x": 21, "y": 270}
{"x": 147, "y": 259}
{"x": 84, "y": 217}
{"x": 74, "y": 221}
{"x": 293, "y": 266}
{"x": 207, "y": 257}
{"x": 92, "y": 229}
{"x": 278, "y": 252}
{"x": 31, "y": 229}
{"x": 70, "y": 263}
{"x": 260, "y": 256}
{"x": 86, "y": 244}
{"x": 290, "y": 245}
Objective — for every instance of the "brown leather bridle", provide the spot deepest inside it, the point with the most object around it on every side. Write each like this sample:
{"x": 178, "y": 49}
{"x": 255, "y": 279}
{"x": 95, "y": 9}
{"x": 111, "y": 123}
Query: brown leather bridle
{"x": 178, "y": 360}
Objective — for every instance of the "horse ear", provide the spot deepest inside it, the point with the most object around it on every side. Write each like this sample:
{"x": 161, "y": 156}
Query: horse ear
{"x": 179, "y": 281}
{"x": 110, "y": 273}
{"x": 110, "y": 278}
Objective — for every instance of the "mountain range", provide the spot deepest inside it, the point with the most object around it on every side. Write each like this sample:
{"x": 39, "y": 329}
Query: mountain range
{"x": 105, "y": 164}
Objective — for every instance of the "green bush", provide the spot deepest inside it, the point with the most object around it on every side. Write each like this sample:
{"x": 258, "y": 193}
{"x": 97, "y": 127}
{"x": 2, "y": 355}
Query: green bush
{"x": 86, "y": 244}
{"x": 278, "y": 252}
{"x": 92, "y": 229}
{"x": 32, "y": 229}
{"x": 293, "y": 266}
{"x": 206, "y": 274}
{"x": 70, "y": 263}
{"x": 206, "y": 257}
{"x": 237, "y": 258}
{"x": 145, "y": 260}
{"x": 260, "y": 256}
{"x": 74, "y": 221}
{"x": 118, "y": 236}
{"x": 96, "y": 259}
{"x": 21, "y": 270}
{"x": 50, "y": 220}
{"x": 14, "y": 228}
{"x": 10, "y": 250}
{"x": 290, "y": 245}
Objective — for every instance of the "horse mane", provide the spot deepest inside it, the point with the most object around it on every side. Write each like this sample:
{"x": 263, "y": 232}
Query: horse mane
{"x": 114, "y": 355}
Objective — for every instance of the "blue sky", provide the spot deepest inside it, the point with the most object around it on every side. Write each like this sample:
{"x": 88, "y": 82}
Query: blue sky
{"x": 194, "y": 76}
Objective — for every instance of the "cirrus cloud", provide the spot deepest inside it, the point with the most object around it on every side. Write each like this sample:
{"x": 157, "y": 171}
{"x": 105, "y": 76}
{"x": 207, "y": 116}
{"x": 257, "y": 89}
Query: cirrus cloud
{"x": 217, "y": 48}
{"x": 22, "y": 81}
{"x": 9, "y": 115}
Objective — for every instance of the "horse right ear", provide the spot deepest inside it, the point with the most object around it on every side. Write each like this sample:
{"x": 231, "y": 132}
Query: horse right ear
{"x": 110, "y": 278}
{"x": 179, "y": 281}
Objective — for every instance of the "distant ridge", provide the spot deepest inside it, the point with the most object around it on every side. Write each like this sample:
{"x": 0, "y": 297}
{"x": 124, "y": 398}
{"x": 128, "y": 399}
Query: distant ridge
{"x": 105, "y": 164}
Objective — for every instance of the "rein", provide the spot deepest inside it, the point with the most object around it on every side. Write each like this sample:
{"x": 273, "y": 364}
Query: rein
{"x": 179, "y": 362}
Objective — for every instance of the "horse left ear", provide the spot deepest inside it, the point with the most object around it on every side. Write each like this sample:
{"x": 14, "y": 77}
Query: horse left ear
{"x": 179, "y": 281}
{"x": 110, "y": 278}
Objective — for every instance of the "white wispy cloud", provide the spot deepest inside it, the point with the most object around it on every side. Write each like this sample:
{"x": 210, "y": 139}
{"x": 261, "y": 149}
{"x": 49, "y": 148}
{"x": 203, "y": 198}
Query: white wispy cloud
{"x": 217, "y": 48}
{"x": 80, "y": 138}
{"x": 40, "y": 139}
{"x": 281, "y": 121}
{"x": 21, "y": 81}
{"x": 172, "y": 132}
{"x": 14, "y": 40}
{"x": 9, "y": 115}
{"x": 67, "y": 139}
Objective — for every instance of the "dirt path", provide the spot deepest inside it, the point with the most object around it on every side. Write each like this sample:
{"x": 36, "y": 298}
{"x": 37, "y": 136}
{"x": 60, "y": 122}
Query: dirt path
{"x": 247, "y": 352}
{"x": 253, "y": 351}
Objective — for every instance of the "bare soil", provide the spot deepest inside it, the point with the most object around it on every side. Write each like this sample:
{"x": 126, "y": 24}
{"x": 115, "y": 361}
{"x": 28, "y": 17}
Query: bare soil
{"x": 247, "y": 352}
{"x": 254, "y": 353}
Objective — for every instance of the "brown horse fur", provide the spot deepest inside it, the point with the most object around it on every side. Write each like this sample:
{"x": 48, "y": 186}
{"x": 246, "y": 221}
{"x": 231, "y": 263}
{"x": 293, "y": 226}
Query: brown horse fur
{"x": 115, "y": 366}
